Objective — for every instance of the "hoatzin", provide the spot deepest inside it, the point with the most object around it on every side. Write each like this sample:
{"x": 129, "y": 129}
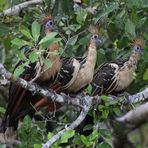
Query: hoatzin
{"x": 21, "y": 99}
{"x": 114, "y": 77}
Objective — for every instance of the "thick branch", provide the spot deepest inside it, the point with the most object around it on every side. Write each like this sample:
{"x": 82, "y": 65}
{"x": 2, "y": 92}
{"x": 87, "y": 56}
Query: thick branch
{"x": 34, "y": 88}
{"x": 141, "y": 96}
{"x": 87, "y": 104}
{"x": 17, "y": 9}
{"x": 135, "y": 117}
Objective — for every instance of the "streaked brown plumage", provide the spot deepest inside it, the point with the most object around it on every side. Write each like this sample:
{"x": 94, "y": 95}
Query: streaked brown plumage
{"x": 116, "y": 76}
{"x": 20, "y": 100}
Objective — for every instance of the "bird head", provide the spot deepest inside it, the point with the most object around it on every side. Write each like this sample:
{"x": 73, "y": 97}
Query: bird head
{"x": 48, "y": 24}
{"x": 95, "y": 39}
{"x": 137, "y": 46}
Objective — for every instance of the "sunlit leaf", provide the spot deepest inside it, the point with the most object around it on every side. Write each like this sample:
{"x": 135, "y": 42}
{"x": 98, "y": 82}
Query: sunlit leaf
{"x": 34, "y": 55}
{"x": 36, "y": 30}
{"x": 26, "y": 32}
{"x": 48, "y": 38}
{"x": 68, "y": 134}
{"x": 19, "y": 70}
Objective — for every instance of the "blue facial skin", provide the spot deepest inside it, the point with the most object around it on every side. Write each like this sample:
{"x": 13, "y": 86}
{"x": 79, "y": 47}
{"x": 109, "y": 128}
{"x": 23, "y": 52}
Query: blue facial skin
{"x": 138, "y": 49}
{"x": 96, "y": 39}
{"x": 49, "y": 25}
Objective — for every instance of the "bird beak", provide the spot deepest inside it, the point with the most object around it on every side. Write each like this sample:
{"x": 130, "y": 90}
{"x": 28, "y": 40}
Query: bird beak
{"x": 142, "y": 51}
{"x": 100, "y": 42}
{"x": 55, "y": 28}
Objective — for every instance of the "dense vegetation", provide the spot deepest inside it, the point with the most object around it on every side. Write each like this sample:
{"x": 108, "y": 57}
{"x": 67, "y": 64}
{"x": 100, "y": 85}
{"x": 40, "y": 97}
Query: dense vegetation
{"x": 120, "y": 21}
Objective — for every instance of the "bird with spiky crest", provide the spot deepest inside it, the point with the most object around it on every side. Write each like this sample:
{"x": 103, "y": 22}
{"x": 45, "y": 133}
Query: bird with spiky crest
{"x": 21, "y": 99}
{"x": 114, "y": 77}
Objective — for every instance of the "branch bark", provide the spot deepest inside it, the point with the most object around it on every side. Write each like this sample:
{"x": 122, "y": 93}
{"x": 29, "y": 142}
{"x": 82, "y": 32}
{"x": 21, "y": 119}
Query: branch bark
{"x": 87, "y": 104}
{"x": 131, "y": 120}
{"x": 135, "y": 117}
{"x": 17, "y": 9}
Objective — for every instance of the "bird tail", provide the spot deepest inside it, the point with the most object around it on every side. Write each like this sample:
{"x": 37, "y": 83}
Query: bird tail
{"x": 8, "y": 129}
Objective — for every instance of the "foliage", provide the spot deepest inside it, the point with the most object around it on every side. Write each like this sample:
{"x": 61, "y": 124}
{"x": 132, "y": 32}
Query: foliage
{"x": 120, "y": 21}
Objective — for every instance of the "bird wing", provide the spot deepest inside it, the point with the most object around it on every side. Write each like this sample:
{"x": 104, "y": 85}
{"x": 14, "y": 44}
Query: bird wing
{"x": 106, "y": 77}
{"x": 67, "y": 74}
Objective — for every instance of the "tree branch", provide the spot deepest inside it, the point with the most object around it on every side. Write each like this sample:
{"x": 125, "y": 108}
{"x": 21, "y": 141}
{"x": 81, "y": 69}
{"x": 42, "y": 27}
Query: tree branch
{"x": 135, "y": 117}
{"x": 132, "y": 119}
{"x": 50, "y": 94}
{"x": 36, "y": 89}
{"x": 87, "y": 102}
{"x": 141, "y": 96}
{"x": 17, "y": 9}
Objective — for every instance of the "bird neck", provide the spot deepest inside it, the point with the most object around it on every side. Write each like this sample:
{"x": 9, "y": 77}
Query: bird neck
{"x": 54, "y": 46}
{"x": 48, "y": 32}
{"x": 91, "y": 56}
{"x": 133, "y": 59}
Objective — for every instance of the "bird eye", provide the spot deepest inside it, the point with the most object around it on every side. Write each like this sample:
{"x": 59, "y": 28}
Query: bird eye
{"x": 49, "y": 24}
{"x": 95, "y": 36}
{"x": 138, "y": 48}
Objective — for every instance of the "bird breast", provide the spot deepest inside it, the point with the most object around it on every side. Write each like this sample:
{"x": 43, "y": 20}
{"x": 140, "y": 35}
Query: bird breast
{"x": 125, "y": 76}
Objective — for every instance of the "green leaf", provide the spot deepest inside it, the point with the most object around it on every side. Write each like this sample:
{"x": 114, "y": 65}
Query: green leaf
{"x": 87, "y": 127}
{"x": 84, "y": 139}
{"x": 145, "y": 76}
{"x": 94, "y": 136}
{"x": 130, "y": 28}
{"x": 47, "y": 62}
{"x": 50, "y": 135}
{"x": 48, "y": 38}
{"x": 2, "y": 110}
{"x": 68, "y": 134}
{"x": 103, "y": 145}
{"x": 36, "y": 30}
{"x": 89, "y": 89}
{"x": 27, "y": 122}
{"x": 105, "y": 114}
{"x": 33, "y": 56}
{"x": 18, "y": 42}
{"x": 19, "y": 70}
{"x": 81, "y": 16}
{"x": 26, "y": 32}
{"x": 104, "y": 98}
{"x": 37, "y": 146}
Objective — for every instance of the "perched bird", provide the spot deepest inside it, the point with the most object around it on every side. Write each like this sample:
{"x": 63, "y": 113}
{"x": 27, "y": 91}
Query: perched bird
{"x": 114, "y": 77}
{"x": 21, "y": 99}
{"x": 76, "y": 73}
